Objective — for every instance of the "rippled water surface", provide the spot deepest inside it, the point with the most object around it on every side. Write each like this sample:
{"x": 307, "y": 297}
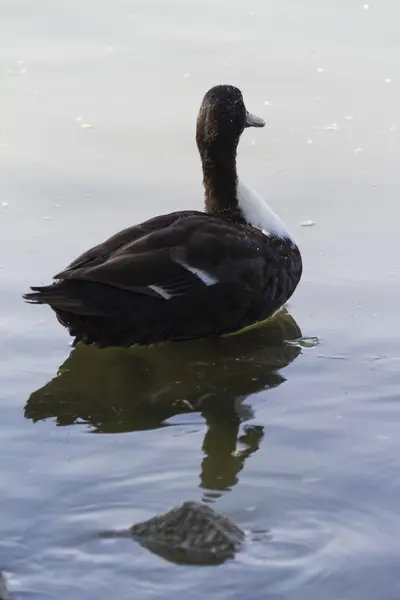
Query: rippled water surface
{"x": 297, "y": 442}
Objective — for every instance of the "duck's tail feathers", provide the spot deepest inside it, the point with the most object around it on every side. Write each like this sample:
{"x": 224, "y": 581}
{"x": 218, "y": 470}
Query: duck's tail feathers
{"x": 46, "y": 294}
{"x": 64, "y": 296}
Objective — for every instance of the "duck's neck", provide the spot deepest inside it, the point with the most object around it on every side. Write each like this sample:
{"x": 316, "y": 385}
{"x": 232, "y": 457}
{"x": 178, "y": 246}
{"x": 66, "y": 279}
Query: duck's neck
{"x": 220, "y": 182}
{"x": 228, "y": 197}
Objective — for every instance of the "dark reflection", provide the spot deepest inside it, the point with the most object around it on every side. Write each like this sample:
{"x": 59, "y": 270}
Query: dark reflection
{"x": 121, "y": 390}
{"x": 223, "y": 461}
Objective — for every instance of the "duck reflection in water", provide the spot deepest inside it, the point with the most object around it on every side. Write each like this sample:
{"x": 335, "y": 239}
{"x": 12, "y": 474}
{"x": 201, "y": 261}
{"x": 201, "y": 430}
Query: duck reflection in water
{"x": 120, "y": 390}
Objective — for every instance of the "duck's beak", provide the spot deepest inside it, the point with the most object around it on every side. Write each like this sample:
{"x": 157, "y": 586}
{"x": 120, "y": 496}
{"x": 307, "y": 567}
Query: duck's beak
{"x": 253, "y": 121}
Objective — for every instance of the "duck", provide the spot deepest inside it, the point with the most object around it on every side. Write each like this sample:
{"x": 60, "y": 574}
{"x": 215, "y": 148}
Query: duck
{"x": 188, "y": 274}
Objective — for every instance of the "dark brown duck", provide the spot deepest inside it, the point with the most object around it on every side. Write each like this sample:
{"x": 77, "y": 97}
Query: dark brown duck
{"x": 187, "y": 274}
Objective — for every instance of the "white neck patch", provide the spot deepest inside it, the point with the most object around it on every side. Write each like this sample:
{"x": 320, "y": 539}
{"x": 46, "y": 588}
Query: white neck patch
{"x": 257, "y": 212}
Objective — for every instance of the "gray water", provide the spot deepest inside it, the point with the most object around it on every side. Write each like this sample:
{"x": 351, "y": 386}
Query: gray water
{"x": 296, "y": 442}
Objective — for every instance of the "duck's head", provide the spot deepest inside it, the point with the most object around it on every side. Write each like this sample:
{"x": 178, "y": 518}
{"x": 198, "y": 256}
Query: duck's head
{"x": 223, "y": 117}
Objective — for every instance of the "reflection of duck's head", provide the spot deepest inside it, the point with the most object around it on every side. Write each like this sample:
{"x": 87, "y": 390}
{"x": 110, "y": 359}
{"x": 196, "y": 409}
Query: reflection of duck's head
{"x": 127, "y": 390}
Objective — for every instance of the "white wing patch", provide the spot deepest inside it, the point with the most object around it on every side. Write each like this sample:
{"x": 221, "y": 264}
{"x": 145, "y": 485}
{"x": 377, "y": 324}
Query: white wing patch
{"x": 257, "y": 212}
{"x": 206, "y": 278}
{"x": 202, "y": 275}
{"x": 160, "y": 291}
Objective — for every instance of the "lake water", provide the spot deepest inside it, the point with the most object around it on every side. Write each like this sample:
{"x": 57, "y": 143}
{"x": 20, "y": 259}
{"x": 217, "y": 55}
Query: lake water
{"x": 296, "y": 442}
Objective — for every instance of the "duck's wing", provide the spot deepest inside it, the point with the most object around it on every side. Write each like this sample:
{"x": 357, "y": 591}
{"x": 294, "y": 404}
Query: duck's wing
{"x": 195, "y": 277}
{"x": 192, "y": 252}
{"x": 98, "y": 254}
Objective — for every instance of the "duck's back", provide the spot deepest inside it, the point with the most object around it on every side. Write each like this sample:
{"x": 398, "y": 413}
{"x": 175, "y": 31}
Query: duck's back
{"x": 118, "y": 241}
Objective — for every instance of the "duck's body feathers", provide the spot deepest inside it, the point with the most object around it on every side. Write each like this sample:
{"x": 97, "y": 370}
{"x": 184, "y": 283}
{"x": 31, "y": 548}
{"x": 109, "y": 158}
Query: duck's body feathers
{"x": 179, "y": 276}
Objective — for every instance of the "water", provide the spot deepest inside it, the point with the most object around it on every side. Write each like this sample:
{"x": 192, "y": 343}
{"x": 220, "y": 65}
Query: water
{"x": 296, "y": 442}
